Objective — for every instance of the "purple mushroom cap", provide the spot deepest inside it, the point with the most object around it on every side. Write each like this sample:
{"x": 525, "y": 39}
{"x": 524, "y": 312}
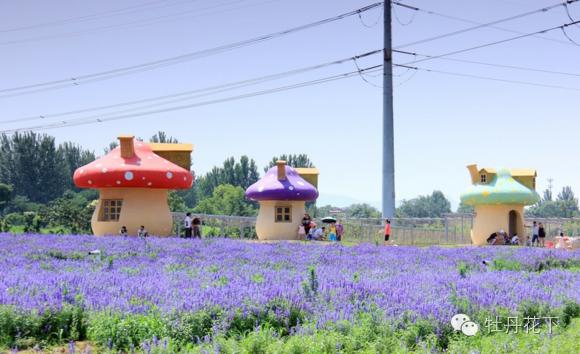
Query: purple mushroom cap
{"x": 293, "y": 187}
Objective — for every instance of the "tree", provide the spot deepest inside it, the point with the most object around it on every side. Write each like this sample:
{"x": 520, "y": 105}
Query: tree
{"x": 428, "y": 206}
{"x": 33, "y": 165}
{"x": 362, "y": 211}
{"x": 112, "y": 146}
{"x": 566, "y": 194}
{"x": 464, "y": 208}
{"x": 241, "y": 174}
{"x": 5, "y": 194}
{"x": 547, "y": 197}
{"x": 300, "y": 160}
{"x": 161, "y": 137}
{"x": 176, "y": 202}
{"x": 74, "y": 157}
{"x": 71, "y": 211}
{"x": 226, "y": 200}
{"x": 565, "y": 206}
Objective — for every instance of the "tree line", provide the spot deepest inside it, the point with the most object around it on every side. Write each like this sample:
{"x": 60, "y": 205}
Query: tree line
{"x": 37, "y": 191}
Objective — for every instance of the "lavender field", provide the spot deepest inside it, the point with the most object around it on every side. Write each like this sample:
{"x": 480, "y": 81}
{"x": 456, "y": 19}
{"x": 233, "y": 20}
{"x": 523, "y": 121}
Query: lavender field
{"x": 190, "y": 293}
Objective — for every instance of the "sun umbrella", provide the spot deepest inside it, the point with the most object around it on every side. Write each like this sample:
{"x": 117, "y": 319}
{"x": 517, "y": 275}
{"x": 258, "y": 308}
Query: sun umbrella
{"x": 329, "y": 220}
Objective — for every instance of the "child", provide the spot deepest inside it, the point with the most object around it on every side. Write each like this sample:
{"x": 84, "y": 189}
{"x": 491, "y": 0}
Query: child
{"x": 301, "y": 232}
{"x": 332, "y": 233}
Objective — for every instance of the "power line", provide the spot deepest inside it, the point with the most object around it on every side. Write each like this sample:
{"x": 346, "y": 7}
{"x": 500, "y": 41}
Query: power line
{"x": 128, "y": 24}
{"x": 84, "y": 121}
{"x": 188, "y": 95}
{"x": 504, "y": 66}
{"x": 480, "y": 25}
{"x": 528, "y": 83}
{"x": 491, "y": 43}
{"x": 108, "y": 13}
{"x": 77, "y": 80}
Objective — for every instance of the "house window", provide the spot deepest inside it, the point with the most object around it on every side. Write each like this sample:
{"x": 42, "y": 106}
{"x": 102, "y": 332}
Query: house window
{"x": 283, "y": 214}
{"x": 483, "y": 178}
{"x": 111, "y": 209}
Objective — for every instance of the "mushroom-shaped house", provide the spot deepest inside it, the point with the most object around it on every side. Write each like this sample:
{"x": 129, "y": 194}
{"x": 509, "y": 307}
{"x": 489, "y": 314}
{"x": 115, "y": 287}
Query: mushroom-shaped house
{"x": 133, "y": 182}
{"x": 282, "y": 194}
{"x": 499, "y": 198}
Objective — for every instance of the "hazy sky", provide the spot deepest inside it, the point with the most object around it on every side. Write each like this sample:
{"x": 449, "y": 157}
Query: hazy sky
{"x": 442, "y": 122}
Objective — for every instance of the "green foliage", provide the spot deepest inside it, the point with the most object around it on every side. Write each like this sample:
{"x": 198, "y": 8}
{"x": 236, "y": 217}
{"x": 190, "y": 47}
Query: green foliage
{"x": 25, "y": 329}
{"x": 32, "y": 222}
{"x": 74, "y": 157}
{"x": 226, "y": 200}
{"x": 293, "y": 160}
{"x": 428, "y": 206}
{"x": 240, "y": 174}
{"x": 72, "y": 211}
{"x": 310, "y": 286}
{"x": 565, "y": 205}
{"x": 464, "y": 208}
{"x": 36, "y": 167}
{"x": 176, "y": 202}
{"x": 5, "y": 194}
{"x": 119, "y": 332}
{"x": 506, "y": 264}
{"x": 362, "y": 211}
{"x": 161, "y": 137}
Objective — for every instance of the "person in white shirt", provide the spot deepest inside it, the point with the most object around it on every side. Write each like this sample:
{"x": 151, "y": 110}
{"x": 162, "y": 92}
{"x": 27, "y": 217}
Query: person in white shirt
{"x": 187, "y": 225}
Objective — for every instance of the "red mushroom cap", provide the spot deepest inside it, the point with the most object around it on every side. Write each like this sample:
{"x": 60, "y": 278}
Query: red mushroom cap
{"x": 132, "y": 165}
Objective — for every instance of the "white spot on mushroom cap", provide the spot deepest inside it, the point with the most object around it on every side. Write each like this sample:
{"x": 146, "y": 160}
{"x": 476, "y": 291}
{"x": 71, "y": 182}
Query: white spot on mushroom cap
{"x": 128, "y": 175}
{"x": 300, "y": 183}
{"x": 185, "y": 178}
{"x": 104, "y": 170}
{"x": 143, "y": 178}
{"x": 291, "y": 188}
{"x": 118, "y": 182}
{"x": 90, "y": 182}
{"x": 169, "y": 175}
{"x": 260, "y": 188}
{"x": 149, "y": 184}
{"x": 81, "y": 171}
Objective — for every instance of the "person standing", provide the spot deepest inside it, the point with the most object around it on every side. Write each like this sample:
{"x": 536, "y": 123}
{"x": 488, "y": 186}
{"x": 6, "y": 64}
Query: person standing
{"x": 339, "y": 231}
{"x": 306, "y": 223}
{"x": 301, "y": 232}
{"x": 387, "y": 230}
{"x": 535, "y": 233}
{"x": 187, "y": 225}
{"x": 541, "y": 235}
{"x": 196, "y": 228}
{"x": 332, "y": 232}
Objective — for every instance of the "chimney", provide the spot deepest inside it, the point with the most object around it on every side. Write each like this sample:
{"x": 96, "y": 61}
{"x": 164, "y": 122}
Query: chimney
{"x": 127, "y": 148}
{"x": 474, "y": 172}
{"x": 281, "y": 169}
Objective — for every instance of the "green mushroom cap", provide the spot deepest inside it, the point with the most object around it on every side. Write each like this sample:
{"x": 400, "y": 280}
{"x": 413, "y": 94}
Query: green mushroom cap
{"x": 503, "y": 189}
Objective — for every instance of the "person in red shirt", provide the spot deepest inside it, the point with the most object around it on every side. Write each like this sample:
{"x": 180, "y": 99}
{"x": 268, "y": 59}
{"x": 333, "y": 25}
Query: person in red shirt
{"x": 387, "y": 230}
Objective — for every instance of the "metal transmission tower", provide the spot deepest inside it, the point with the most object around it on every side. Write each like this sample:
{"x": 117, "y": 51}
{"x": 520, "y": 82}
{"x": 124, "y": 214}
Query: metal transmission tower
{"x": 388, "y": 138}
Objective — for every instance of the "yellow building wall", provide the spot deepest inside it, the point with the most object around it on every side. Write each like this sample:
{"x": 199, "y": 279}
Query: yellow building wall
{"x": 179, "y": 154}
{"x": 493, "y": 218}
{"x": 141, "y": 206}
{"x": 268, "y": 229}
{"x": 528, "y": 181}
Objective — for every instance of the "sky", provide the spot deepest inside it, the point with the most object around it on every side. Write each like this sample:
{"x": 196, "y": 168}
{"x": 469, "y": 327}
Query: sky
{"x": 442, "y": 122}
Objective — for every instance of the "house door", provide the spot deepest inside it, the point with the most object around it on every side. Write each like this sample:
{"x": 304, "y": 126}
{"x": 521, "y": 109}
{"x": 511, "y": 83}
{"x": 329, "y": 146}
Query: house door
{"x": 513, "y": 229}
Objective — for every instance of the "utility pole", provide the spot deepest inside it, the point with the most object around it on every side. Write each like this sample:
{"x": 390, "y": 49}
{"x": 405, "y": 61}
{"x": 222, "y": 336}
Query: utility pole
{"x": 388, "y": 136}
